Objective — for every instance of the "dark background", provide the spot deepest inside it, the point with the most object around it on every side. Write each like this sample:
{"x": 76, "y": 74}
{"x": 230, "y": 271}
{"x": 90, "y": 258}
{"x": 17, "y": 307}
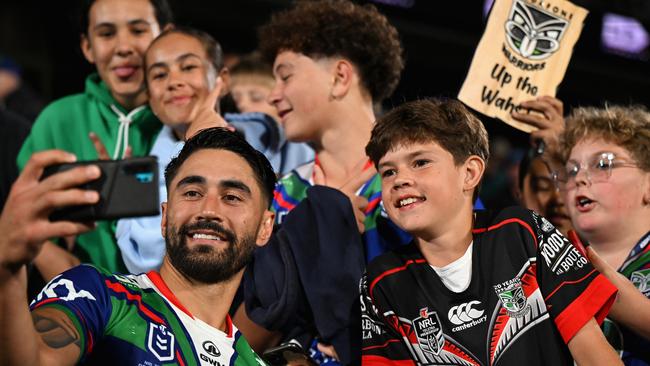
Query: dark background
{"x": 438, "y": 37}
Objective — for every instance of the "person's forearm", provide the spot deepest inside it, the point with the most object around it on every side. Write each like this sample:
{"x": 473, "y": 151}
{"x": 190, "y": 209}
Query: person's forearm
{"x": 631, "y": 308}
{"x": 53, "y": 260}
{"x": 18, "y": 339}
{"x": 589, "y": 347}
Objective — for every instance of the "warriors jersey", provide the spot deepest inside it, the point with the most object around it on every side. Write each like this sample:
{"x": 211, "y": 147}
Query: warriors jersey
{"x": 530, "y": 292}
{"x": 634, "y": 349}
{"x": 379, "y": 233}
{"x": 136, "y": 320}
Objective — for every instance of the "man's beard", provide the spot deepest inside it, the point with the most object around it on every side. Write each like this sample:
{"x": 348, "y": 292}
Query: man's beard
{"x": 206, "y": 263}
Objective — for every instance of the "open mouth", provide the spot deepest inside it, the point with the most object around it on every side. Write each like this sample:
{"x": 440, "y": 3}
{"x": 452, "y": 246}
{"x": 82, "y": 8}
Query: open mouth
{"x": 284, "y": 112}
{"x": 125, "y": 71}
{"x": 583, "y": 202}
{"x": 409, "y": 201}
{"x": 208, "y": 233}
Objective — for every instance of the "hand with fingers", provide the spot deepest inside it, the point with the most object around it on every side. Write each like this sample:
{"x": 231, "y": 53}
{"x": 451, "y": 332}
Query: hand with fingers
{"x": 102, "y": 154}
{"x": 207, "y": 115}
{"x": 547, "y": 116}
{"x": 24, "y": 222}
{"x": 359, "y": 175}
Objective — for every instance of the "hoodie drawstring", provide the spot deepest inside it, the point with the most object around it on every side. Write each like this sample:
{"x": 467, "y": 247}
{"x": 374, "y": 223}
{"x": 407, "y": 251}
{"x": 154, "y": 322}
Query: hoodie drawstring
{"x": 123, "y": 131}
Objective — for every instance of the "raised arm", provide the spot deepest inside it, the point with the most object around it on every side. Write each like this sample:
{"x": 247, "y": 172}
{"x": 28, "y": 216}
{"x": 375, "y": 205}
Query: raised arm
{"x": 24, "y": 226}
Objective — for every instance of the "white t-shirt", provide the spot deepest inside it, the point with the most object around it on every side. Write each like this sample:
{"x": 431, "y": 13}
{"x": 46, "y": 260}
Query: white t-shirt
{"x": 457, "y": 274}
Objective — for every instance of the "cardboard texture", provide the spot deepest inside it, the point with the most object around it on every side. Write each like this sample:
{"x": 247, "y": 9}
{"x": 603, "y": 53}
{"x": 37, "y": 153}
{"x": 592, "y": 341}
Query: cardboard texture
{"x": 523, "y": 54}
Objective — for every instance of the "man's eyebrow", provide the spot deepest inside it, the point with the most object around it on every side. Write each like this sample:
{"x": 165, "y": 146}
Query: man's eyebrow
{"x": 236, "y": 184}
{"x": 191, "y": 179}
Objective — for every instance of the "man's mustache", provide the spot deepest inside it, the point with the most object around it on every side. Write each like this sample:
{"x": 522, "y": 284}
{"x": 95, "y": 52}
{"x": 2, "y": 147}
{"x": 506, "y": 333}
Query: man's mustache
{"x": 208, "y": 225}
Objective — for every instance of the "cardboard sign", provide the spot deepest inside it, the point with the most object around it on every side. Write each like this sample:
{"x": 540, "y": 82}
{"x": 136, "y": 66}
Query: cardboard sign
{"x": 523, "y": 54}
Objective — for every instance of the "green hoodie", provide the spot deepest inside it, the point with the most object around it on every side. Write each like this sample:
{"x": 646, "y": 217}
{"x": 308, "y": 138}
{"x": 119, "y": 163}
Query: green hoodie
{"x": 66, "y": 123}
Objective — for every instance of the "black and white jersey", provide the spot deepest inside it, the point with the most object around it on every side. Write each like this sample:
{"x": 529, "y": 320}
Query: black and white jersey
{"x": 530, "y": 292}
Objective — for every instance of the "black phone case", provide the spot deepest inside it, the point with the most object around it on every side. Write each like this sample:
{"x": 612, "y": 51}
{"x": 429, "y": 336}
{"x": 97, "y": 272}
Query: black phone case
{"x": 127, "y": 188}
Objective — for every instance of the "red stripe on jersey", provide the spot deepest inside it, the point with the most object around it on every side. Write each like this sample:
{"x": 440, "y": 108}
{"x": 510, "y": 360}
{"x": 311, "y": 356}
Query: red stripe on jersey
{"x": 162, "y": 286}
{"x": 392, "y": 271}
{"x": 119, "y": 288}
{"x": 568, "y": 283}
{"x": 372, "y": 205}
{"x": 228, "y": 326}
{"x": 508, "y": 221}
{"x": 385, "y": 344}
{"x": 277, "y": 196}
{"x": 372, "y": 360}
{"x": 38, "y": 305}
{"x": 594, "y": 302}
{"x": 179, "y": 358}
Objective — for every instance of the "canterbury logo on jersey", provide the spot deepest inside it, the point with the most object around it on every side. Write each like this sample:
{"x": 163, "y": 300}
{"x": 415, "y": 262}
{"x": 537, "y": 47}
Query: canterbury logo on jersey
{"x": 466, "y": 315}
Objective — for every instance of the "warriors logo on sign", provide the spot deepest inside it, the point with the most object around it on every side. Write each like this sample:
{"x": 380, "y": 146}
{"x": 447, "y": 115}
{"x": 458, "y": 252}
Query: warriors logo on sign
{"x": 532, "y": 32}
{"x": 513, "y": 298}
{"x": 428, "y": 331}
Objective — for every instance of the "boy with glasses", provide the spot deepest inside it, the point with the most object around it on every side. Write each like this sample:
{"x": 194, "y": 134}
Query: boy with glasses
{"x": 606, "y": 188}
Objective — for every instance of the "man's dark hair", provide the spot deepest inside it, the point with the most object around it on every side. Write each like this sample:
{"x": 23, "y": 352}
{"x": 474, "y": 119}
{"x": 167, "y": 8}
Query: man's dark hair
{"x": 339, "y": 28}
{"x": 162, "y": 12}
{"x": 220, "y": 138}
{"x": 210, "y": 45}
{"x": 446, "y": 122}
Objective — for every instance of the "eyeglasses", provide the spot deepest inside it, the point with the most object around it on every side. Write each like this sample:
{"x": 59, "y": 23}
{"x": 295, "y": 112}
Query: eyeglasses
{"x": 598, "y": 169}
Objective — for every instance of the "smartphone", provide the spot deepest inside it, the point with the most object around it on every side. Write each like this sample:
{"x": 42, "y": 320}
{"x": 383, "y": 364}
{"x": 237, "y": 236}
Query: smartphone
{"x": 287, "y": 354}
{"x": 127, "y": 188}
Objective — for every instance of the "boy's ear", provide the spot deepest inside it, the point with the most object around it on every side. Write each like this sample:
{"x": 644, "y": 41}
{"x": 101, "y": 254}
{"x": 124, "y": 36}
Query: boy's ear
{"x": 474, "y": 168}
{"x": 86, "y": 49}
{"x": 343, "y": 76}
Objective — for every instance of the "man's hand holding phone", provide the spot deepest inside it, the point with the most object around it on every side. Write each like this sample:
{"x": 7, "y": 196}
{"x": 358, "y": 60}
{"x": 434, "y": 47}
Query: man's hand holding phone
{"x": 25, "y": 223}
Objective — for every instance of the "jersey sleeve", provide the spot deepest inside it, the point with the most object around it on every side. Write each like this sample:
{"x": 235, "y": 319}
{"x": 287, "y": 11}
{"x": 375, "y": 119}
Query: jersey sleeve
{"x": 381, "y": 344}
{"x": 574, "y": 292}
{"x": 80, "y": 293}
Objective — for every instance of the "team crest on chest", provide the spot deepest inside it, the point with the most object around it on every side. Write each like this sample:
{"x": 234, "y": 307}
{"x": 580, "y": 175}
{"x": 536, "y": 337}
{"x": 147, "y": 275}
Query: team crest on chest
{"x": 428, "y": 331}
{"x": 160, "y": 342}
{"x": 512, "y": 297}
{"x": 641, "y": 279}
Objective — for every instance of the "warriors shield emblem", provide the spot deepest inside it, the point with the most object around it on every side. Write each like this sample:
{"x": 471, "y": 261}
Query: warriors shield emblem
{"x": 641, "y": 279}
{"x": 513, "y": 298}
{"x": 428, "y": 331}
{"x": 532, "y": 32}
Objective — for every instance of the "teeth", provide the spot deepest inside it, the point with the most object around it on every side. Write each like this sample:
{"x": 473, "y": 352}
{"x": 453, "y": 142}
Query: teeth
{"x": 407, "y": 201}
{"x": 584, "y": 201}
{"x": 205, "y": 236}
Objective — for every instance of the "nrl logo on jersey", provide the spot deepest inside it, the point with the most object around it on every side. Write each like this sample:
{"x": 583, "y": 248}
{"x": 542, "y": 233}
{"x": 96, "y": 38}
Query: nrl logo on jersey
{"x": 512, "y": 297}
{"x": 428, "y": 331}
{"x": 641, "y": 279}
{"x": 160, "y": 342}
{"x": 532, "y": 32}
